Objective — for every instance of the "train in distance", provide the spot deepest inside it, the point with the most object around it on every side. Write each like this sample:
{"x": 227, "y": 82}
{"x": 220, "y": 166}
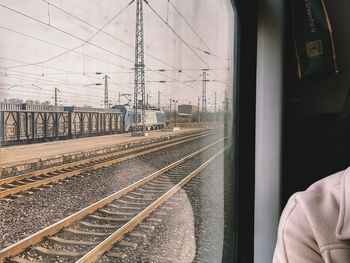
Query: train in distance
{"x": 154, "y": 118}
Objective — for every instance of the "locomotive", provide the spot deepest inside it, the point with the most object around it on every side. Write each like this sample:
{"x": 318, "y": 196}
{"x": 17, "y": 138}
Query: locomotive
{"x": 154, "y": 118}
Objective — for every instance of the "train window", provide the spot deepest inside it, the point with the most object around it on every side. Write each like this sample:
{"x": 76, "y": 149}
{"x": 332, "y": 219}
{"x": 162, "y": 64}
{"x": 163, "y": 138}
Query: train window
{"x": 116, "y": 130}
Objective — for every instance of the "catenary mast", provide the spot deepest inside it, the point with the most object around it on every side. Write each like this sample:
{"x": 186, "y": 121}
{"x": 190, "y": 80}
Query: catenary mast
{"x": 139, "y": 88}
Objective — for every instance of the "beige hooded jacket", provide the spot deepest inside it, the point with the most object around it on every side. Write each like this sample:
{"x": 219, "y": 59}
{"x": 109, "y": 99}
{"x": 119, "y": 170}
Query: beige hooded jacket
{"x": 315, "y": 224}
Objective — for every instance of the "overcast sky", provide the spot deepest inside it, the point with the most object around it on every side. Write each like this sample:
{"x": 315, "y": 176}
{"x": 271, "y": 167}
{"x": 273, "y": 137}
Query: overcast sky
{"x": 42, "y": 46}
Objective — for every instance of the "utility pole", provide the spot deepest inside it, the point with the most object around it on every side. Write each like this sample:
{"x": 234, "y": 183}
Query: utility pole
{"x": 175, "y": 101}
{"x": 170, "y": 112}
{"x": 158, "y": 99}
{"x": 180, "y": 57}
{"x": 139, "y": 88}
{"x": 189, "y": 112}
{"x": 119, "y": 101}
{"x": 56, "y": 99}
{"x": 204, "y": 95}
{"x": 215, "y": 106}
{"x": 226, "y": 104}
{"x": 199, "y": 113}
{"x": 226, "y": 101}
{"x": 105, "y": 102}
{"x": 147, "y": 102}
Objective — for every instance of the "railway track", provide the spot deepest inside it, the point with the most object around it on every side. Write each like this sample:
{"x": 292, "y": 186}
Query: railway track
{"x": 91, "y": 232}
{"x": 13, "y": 186}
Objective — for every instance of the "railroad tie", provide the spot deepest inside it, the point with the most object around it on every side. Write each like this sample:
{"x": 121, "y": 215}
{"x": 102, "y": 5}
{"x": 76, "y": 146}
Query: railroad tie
{"x": 124, "y": 207}
{"x": 142, "y": 194}
{"x": 11, "y": 185}
{"x": 160, "y": 185}
{"x": 132, "y": 203}
{"x": 132, "y": 245}
{"x": 139, "y": 198}
{"x": 113, "y": 219}
{"x": 20, "y": 260}
{"x": 52, "y": 252}
{"x": 21, "y": 182}
{"x": 137, "y": 234}
{"x": 116, "y": 213}
{"x": 154, "y": 220}
{"x": 146, "y": 227}
{"x": 86, "y": 233}
{"x": 6, "y": 199}
{"x": 31, "y": 180}
{"x": 159, "y": 213}
{"x": 72, "y": 242}
{"x": 155, "y": 192}
{"x": 117, "y": 255}
{"x": 84, "y": 223}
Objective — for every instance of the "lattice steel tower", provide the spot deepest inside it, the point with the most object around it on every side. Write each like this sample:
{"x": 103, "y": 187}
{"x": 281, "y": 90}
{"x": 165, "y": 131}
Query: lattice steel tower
{"x": 139, "y": 88}
{"x": 204, "y": 94}
{"x": 106, "y": 101}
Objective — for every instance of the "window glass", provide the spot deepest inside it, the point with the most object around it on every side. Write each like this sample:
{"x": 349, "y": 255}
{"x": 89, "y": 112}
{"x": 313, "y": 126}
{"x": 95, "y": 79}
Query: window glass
{"x": 129, "y": 102}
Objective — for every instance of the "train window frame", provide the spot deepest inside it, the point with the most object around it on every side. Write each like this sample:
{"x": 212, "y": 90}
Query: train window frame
{"x": 258, "y": 123}
{"x": 243, "y": 132}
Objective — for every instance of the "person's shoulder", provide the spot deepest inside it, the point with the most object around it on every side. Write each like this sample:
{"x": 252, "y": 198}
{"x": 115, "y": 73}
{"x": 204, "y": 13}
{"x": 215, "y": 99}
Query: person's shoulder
{"x": 321, "y": 192}
{"x": 328, "y": 184}
{"x": 319, "y": 206}
{"x": 324, "y": 188}
{"x": 321, "y": 197}
{"x": 314, "y": 218}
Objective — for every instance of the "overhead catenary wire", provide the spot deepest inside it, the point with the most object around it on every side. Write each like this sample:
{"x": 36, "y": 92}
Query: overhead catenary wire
{"x": 208, "y": 51}
{"x": 59, "y": 46}
{"x": 189, "y": 25}
{"x": 115, "y": 72}
{"x": 37, "y": 65}
{"x": 129, "y": 45}
{"x": 110, "y": 35}
{"x": 177, "y": 34}
{"x": 120, "y": 83}
{"x": 44, "y": 89}
{"x": 70, "y": 34}
{"x": 60, "y": 82}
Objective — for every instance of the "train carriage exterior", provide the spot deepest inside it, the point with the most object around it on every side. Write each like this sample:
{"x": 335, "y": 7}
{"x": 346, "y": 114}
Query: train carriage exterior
{"x": 26, "y": 123}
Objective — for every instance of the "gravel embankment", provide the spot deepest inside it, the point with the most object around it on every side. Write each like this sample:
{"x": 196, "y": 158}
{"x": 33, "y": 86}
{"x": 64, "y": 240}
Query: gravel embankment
{"x": 193, "y": 231}
{"x": 32, "y": 212}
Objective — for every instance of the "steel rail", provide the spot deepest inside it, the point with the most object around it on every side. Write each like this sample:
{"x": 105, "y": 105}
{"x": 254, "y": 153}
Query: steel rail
{"x": 35, "y": 238}
{"x": 81, "y": 162}
{"x": 108, "y": 243}
{"x": 103, "y": 164}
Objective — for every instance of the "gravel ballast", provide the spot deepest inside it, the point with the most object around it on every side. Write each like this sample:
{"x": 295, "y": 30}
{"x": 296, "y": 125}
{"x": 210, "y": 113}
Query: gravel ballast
{"x": 194, "y": 230}
{"x": 28, "y": 214}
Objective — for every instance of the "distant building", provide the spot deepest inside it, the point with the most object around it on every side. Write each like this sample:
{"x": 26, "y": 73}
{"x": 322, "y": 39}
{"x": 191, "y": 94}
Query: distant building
{"x": 186, "y": 109}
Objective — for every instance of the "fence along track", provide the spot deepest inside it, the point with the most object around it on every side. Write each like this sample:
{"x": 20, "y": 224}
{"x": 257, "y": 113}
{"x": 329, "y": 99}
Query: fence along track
{"x": 14, "y": 185}
{"x": 78, "y": 216}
